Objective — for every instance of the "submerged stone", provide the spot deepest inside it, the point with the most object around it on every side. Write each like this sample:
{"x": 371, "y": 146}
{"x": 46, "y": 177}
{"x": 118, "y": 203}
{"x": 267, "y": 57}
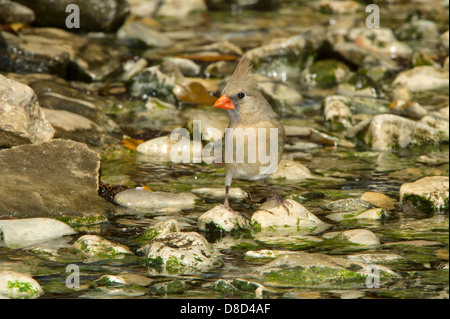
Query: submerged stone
{"x": 180, "y": 253}
{"x": 15, "y": 285}
{"x": 362, "y": 237}
{"x": 92, "y": 247}
{"x": 221, "y": 219}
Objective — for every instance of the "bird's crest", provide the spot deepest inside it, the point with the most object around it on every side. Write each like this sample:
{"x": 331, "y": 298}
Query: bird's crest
{"x": 242, "y": 75}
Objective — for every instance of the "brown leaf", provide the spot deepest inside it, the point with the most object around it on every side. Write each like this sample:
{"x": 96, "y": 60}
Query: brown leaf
{"x": 131, "y": 143}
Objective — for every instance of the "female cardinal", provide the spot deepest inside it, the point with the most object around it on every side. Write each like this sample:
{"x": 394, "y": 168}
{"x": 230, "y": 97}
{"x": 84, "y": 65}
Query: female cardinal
{"x": 254, "y": 128}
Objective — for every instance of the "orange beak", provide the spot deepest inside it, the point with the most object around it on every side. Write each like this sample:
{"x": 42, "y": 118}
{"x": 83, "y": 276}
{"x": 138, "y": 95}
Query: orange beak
{"x": 224, "y": 102}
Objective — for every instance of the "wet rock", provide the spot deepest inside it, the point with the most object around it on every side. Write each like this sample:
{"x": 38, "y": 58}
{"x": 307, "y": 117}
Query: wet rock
{"x": 377, "y": 258}
{"x": 380, "y": 40}
{"x": 337, "y": 114}
{"x": 180, "y": 253}
{"x": 32, "y": 54}
{"x": 265, "y": 255}
{"x": 237, "y": 6}
{"x": 338, "y": 7}
{"x": 59, "y": 178}
{"x": 153, "y": 82}
{"x": 166, "y": 8}
{"x": 361, "y": 86}
{"x": 283, "y": 98}
{"x": 422, "y": 78}
{"x": 169, "y": 288}
{"x": 220, "y": 69}
{"x": 72, "y": 126}
{"x": 379, "y": 200}
{"x": 18, "y": 233}
{"x": 186, "y": 66}
{"x": 360, "y": 237}
{"x": 315, "y": 270}
{"x": 221, "y": 219}
{"x": 272, "y": 215}
{"x": 166, "y": 150}
{"x": 412, "y": 110}
{"x": 138, "y": 31}
{"x": 205, "y": 123}
{"x": 329, "y": 140}
{"x": 324, "y": 74}
{"x": 428, "y": 194}
{"x": 292, "y": 170}
{"x": 105, "y": 16}
{"x": 91, "y": 248}
{"x": 444, "y": 41}
{"x": 370, "y": 214}
{"x": 349, "y": 205}
{"x": 15, "y": 285}
{"x": 12, "y": 12}
{"x": 282, "y": 58}
{"x": 439, "y": 122}
{"x": 22, "y": 120}
{"x": 290, "y": 239}
{"x": 161, "y": 228}
{"x": 219, "y": 192}
{"x": 387, "y": 132}
{"x": 364, "y": 57}
{"x": 418, "y": 29}
{"x": 144, "y": 200}
{"x": 123, "y": 280}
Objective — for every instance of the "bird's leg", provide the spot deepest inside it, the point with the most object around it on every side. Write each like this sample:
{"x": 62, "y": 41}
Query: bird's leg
{"x": 280, "y": 201}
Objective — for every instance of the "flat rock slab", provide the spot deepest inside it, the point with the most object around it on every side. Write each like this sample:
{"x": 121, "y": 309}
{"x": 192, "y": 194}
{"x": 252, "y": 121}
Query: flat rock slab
{"x": 57, "y": 178}
{"x": 18, "y": 233}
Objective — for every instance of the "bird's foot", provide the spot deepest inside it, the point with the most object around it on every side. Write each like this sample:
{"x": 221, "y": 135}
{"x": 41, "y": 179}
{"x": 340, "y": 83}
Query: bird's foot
{"x": 283, "y": 202}
{"x": 227, "y": 207}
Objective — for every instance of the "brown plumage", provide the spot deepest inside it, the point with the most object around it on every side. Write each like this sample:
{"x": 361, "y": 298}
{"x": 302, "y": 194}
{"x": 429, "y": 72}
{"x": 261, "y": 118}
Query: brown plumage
{"x": 250, "y": 113}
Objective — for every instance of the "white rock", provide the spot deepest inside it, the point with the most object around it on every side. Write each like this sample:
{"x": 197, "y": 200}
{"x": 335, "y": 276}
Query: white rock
{"x": 185, "y": 253}
{"x": 270, "y": 214}
{"x": 375, "y": 258}
{"x": 15, "y": 285}
{"x": 431, "y": 190}
{"x": 18, "y": 233}
{"x": 220, "y": 218}
{"x": 362, "y": 237}
{"x": 144, "y": 200}
{"x": 422, "y": 78}
{"x": 166, "y": 150}
{"x": 292, "y": 170}
{"x": 93, "y": 247}
{"x": 219, "y": 192}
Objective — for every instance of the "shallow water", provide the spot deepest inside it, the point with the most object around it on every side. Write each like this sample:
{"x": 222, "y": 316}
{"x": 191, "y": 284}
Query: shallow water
{"x": 349, "y": 173}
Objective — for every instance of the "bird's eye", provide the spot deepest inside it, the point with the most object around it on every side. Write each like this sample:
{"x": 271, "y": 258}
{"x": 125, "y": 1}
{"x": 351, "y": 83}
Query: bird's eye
{"x": 241, "y": 95}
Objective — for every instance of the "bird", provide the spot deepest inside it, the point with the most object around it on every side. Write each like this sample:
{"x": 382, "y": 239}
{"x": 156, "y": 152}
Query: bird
{"x": 250, "y": 113}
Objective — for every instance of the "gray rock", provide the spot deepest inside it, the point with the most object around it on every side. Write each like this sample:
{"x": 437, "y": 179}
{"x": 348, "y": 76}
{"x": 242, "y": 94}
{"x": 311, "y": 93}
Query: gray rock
{"x": 139, "y": 31}
{"x": 18, "y": 233}
{"x": 272, "y": 215}
{"x": 105, "y": 16}
{"x": 429, "y": 194}
{"x": 33, "y": 54}
{"x": 180, "y": 253}
{"x": 412, "y": 110}
{"x": 58, "y": 178}
{"x": 12, "y": 12}
{"x": 92, "y": 248}
{"x": 364, "y": 57}
{"x": 387, "y": 132}
{"x": 292, "y": 170}
{"x": 370, "y": 214}
{"x": 21, "y": 117}
{"x": 72, "y": 126}
{"x": 186, "y": 66}
{"x": 15, "y": 285}
{"x": 283, "y": 98}
{"x": 418, "y": 29}
{"x": 349, "y": 205}
{"x": 221, "y": 219}
{"x": 144, "y": 200}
